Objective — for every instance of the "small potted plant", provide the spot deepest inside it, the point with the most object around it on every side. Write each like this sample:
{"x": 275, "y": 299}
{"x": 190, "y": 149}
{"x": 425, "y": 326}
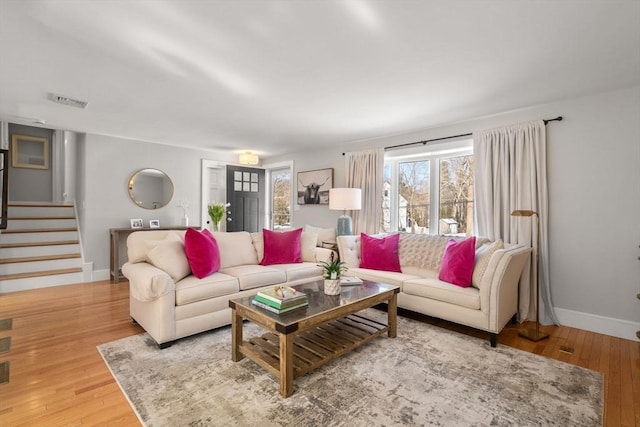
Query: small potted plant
{"x": 331, "y": 273}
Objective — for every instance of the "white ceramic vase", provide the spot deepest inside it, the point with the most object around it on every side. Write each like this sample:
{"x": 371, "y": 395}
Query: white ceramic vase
{"x": 332, "y": 286}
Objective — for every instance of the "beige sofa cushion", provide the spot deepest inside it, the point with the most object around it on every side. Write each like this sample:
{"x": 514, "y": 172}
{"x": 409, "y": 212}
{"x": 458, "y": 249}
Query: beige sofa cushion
{"x": 168, "y": 255}
{"x": 236, "y": 248}
{"x": 299, "y": 271}
{"x": 254, "y": 276}
{"x": 192, "y": 289}
{"x": 323, "y": 234}
{"x": 136, "y": 242}
{"x": 390, "y": 277}
{"x": 442, "y": 291}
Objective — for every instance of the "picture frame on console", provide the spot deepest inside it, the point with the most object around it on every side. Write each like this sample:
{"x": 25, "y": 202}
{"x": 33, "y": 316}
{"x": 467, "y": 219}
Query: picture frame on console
{"x": 314, "y": 185}
{"x": 137, "y": 223}
{"x": 154, "y": 223}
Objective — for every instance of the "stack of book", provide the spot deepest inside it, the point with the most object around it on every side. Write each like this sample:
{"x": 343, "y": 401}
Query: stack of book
{"x": 280, "y": 299}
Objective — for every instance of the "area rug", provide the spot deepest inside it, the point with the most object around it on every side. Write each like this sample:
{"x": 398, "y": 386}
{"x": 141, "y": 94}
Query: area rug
{"x": 425, "y": 376}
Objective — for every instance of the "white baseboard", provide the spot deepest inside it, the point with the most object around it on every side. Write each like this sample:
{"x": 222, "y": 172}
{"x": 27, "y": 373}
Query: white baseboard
{"x": 600, "y": 324}
{"x": 99, "y": 275}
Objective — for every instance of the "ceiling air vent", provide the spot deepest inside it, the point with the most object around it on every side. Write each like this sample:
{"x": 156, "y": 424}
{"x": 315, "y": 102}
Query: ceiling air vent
{"x": 68, "y": 101}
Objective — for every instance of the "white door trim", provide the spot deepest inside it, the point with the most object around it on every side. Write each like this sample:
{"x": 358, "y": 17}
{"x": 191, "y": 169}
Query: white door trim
{"x": 204, "y": 175}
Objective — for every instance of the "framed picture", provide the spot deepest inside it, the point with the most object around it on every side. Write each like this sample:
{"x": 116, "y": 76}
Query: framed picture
{"x": 154, "y": 223}
{"x": 30, "y": 152}
{"x": 136, "y": 223}
{"x": 313, "y": 186}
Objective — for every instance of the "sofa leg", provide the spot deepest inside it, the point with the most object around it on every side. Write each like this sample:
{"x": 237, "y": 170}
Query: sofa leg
{"x": 165, "y": 345}
{"x": 493, "y": 338}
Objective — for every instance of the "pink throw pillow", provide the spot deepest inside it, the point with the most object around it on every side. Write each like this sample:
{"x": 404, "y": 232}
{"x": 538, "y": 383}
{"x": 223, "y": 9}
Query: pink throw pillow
{"x": 202, "y": 252}
{"x": 458, "y": 261}
{"x": 380, "y": 253}
{"x": 281, "y": 247}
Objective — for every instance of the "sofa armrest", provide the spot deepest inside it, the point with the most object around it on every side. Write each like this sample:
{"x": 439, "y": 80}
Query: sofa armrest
{"x": 146, "y": 282}
{"x": 499, "y": 293}
{"x": 324, "y": 254}
{"x": 349, "y": 250}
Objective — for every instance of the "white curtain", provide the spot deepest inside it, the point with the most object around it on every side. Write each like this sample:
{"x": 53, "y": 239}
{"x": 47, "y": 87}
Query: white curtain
{"x": 364, "y": 171}
{"x": 511, "y": 174}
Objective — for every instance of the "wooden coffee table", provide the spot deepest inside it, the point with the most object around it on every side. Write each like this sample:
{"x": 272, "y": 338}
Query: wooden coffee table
{"x": 302, "y": 340}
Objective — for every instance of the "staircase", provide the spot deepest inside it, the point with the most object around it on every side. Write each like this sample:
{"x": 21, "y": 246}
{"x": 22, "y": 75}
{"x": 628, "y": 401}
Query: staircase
{"x": 40, "y": 247}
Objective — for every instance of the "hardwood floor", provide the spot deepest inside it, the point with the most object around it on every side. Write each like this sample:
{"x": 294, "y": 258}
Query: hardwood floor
{"x": 57, "y": 376}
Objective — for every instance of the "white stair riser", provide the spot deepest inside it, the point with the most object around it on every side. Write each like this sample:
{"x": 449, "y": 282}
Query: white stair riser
{"x": 39, "y": 251}
{"x": 51, "y": 236}
{"x": 37, "y": 224}
{"x": 30, "y": 267}
{"x": 40, "y": 211}
{"x": 40, "y": 282}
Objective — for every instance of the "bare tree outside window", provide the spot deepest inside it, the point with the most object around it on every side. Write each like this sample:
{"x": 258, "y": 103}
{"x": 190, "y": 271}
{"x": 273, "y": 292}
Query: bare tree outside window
{"x": 413, "y": 188}
{"x": 456, "y": 195}
{"x": 281, "y": 184}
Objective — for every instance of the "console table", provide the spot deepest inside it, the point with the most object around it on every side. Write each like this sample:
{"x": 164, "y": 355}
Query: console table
{"x": 118, "y": 239}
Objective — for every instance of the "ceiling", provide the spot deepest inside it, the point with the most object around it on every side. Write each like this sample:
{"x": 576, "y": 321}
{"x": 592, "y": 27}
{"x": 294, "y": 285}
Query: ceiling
{"x": 280, "y": 76}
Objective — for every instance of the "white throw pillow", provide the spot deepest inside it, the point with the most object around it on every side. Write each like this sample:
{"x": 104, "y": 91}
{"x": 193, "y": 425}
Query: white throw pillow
{"x": 324, "y": 234}
{"x": 483, "y": 255}
{"x": 168, "y": 255}
{"x": 308, "y": 246}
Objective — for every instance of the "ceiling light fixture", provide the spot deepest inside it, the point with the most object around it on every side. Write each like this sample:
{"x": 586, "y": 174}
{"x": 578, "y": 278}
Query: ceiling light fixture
{"x": 248, "y": 158}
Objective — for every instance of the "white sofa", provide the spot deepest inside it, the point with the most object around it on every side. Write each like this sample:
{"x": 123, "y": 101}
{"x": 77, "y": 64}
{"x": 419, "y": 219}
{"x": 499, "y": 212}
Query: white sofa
{"x": 488, "y": 304}
{"x": 169, "y": 308}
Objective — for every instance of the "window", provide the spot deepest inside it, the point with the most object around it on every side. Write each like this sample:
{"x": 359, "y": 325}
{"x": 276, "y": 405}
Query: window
{"x": 280, "y": 198}
{"x": 430, "y": 192}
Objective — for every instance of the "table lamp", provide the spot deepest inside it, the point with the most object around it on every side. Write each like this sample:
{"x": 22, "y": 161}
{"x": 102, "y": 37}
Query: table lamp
{"x": 345, "y": 199}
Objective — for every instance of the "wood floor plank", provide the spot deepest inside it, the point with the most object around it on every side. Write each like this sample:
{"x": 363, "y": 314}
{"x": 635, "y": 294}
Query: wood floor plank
{"x": 58, "y": 377}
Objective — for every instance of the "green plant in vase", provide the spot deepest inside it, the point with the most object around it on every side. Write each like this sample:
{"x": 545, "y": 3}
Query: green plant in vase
{"x": 332, "y": 269}
{"x": 216, "y": 213}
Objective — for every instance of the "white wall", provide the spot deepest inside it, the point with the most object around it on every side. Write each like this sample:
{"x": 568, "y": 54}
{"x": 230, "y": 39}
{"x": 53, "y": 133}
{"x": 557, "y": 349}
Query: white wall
{"x": 594, "y": 202}
{"x": 106, "y": 164}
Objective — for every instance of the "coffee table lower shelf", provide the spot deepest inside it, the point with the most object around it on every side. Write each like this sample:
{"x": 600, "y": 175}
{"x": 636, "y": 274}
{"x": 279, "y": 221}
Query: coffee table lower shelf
{"x": 315, "y": 347}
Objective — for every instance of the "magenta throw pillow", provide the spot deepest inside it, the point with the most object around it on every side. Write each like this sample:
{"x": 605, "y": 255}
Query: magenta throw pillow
{"x": 380, "y": 253}
{"x": 281, "y": 247}
{"x": 202, "y": 252}
{"x": 457, "y": 262}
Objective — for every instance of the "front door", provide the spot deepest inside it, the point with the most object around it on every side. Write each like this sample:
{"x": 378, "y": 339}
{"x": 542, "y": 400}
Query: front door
{"x": 246, "y": 193}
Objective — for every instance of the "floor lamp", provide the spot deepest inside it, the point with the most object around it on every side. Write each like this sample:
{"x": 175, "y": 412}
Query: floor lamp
{"x": 534, "y": 334}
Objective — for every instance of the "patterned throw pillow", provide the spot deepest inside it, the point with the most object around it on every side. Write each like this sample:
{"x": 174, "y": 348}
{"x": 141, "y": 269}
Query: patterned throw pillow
{"x": 483, "y": 255}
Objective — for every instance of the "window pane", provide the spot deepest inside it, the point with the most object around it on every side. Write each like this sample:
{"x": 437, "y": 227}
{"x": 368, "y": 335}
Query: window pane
{"x": 456, "y": 196}
{"x": 281, "y": 203}
{"x": 386, "y": 198}
{"x": 413, "y": 196}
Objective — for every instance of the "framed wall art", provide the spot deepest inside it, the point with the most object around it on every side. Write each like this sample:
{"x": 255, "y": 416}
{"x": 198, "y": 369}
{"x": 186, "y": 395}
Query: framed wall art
{"x": 30, "y": 152}
{"x": 313, "y": 186}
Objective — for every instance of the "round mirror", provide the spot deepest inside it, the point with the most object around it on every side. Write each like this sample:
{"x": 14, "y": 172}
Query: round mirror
{"x": 150, "y": 188}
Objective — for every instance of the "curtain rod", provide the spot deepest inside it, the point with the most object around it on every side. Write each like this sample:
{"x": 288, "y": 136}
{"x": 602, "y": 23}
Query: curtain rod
{"x": 391, "y": 147}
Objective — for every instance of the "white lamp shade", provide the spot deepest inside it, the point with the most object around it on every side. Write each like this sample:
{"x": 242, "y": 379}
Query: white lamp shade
{"x": 345, "y": 199}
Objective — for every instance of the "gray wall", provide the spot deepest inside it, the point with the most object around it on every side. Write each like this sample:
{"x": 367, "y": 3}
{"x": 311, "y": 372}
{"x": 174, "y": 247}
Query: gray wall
{"x": 594, "y": 202}
{"x": 33, "y": 185}
{"x": 107, "y": 163}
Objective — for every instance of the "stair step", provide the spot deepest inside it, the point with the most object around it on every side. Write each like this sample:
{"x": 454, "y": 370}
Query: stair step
{"x": 37, "y": 218}
{"x": 32, "y": 244}
{"x": 40, "y": 250}
{"x": 39, "y": 230}
{"x": 38, "y": 258}
{"x": 38, "y": 265}
{"x": 25, "y": 238}
{"x": 48, "y": 224}
{"x": 22, "y": 210}
{"x": 40, "y": 273}
{"x": 38, "y": 205}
